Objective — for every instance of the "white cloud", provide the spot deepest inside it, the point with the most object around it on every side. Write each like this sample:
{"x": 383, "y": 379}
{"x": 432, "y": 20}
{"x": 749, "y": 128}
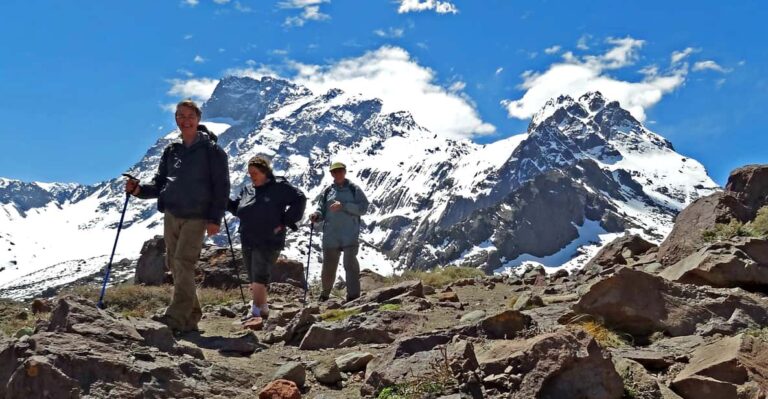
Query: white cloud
{"x": 457, "y": 86}
{"x": 390, "y": 74}
{"x": 390, "y": 32}
{"x": 709, "y": 65}
{"x": 499, "y": 70}
{"x": 252, "y": 72}
{"x": 575, "y": 76}
{"x": 196, "y": 89}
{"x": 241, "y": 7}
{"x": 440, "y": 7}
{"x": 279, "y": 52}
{"x": 188, "y": 36}
{"x": 678, "y": 56}
{"x": 190, "y": 3}
{"x": 199, "y": 59}
{"x": 221, "y": 1}
{"x": 310, "y": 11}
{"x": 185, "y": 72}
{"x": 552, "y": 50}
{"x": 583, "y": 43}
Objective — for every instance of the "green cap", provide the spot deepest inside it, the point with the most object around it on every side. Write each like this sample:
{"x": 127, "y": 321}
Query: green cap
{"x": 338, "y": 165}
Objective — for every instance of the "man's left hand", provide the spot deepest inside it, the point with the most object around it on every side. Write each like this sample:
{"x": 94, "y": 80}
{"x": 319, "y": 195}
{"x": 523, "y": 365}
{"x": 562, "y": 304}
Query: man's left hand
{"x": 212, "y": 229}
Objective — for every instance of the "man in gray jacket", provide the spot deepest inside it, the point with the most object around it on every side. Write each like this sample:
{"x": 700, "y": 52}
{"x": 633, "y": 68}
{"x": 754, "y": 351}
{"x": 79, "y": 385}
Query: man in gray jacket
{"x": 340, "y": 207}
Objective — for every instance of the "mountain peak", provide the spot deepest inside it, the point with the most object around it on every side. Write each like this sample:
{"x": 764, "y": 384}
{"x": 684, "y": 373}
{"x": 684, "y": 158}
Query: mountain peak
{"x": 249, "y": 100}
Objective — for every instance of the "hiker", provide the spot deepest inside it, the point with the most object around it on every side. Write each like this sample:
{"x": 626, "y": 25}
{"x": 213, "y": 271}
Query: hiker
{"x": 192, "y": 189}
{"x": 340, "y": 207}
{"x": 265, "y": 208}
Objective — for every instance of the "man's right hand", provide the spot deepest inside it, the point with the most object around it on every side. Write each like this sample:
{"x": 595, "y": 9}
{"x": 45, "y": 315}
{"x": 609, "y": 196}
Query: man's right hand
{"x": 132, "y": 187}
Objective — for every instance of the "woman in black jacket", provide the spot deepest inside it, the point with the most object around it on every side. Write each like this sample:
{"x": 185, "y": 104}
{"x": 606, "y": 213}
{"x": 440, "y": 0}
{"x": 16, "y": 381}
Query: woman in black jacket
{"x": 265, "y": 208}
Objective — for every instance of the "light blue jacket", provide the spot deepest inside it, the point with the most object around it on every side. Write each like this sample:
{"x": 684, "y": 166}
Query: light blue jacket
{"x": 342, "y": 228}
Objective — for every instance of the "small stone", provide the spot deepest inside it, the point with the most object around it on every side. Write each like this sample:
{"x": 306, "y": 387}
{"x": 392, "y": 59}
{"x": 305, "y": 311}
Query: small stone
{"x": 327, "y": 373}
{"x": 280, "y": 389}
{"x": 354, "y": 361}
{"x": 472, "y": 317}
{"x": 254, "y": 324}
{"x": 227, "y": 312}
{"x": 447, "y": 297}
{"x": 292, "y": 371}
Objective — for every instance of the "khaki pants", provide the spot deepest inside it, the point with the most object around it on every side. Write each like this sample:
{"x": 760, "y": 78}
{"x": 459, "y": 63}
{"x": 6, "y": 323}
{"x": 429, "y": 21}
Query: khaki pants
{"x": 351, "y": 266}
{"x": 183, "y": 241}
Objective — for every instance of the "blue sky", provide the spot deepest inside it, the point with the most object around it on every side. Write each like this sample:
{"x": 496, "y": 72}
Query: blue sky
{"x": 84, "y": 86}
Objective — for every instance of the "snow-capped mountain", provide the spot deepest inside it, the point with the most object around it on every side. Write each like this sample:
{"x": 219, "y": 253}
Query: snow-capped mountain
{"x": 585, "y": 171}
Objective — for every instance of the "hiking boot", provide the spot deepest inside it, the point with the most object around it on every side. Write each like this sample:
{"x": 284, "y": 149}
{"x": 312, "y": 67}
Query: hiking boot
{"x": 324, "y": 297}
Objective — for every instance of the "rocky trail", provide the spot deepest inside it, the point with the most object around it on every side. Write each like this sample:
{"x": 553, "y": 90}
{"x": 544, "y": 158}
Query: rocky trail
{"x": 686, "y": 319}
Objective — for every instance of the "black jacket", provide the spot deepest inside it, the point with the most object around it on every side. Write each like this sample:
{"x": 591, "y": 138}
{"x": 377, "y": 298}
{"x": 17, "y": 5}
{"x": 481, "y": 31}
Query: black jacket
{"x": 191, "y": 182}
{"x": 262, "y": 209}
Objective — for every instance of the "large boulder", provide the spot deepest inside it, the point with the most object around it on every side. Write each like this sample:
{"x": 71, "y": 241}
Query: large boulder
{"x": 731, "y": 368}
{"x": 750, "y": 183}
{"x": 641, "y": 304}
{"x": 151, "y": 268}
{"x": 703, "y": 214}
{"x": 739, "y": 262}
{"x": 563, "y": 364}
{"x": 436, "y": 361}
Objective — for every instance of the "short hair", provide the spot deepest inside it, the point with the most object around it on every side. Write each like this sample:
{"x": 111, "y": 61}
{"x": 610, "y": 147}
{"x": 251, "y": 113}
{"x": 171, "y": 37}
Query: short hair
{"x": 190, "y": 104}
{"x": 261, "y": 164}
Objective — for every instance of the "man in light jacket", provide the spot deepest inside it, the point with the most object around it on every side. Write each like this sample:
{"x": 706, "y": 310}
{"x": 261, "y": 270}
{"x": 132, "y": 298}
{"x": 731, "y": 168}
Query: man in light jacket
{"x": 340, "y": 207}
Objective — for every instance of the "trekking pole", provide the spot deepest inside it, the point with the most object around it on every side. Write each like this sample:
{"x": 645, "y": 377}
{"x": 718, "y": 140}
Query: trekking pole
{"x": 309, "y": 253}
{"x": 232, "y": 249}
{"x": 100, "y": 304}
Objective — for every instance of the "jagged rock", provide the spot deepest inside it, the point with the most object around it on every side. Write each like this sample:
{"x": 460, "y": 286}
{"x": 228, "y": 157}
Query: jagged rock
{"x": 751, "y": 185}
{"x": 406, "y": 288}
{"x": 80, "y": 316}
{"x": 292, "y": 371}
{"x": 472, "y": 317}
{"x": 534, "y": 275}
{"x": 370, "y": 280}
{"x": 556, "y": 365}
{"x": 244, "y": 345}
{"x": 353, "y": 362}
{"x": 650, "y": 359}
{"x": 740, "y": 262}
{"x": 151, "y": 268}
{"x": 527, "y": 301}
{"x": 298, "y": 326}
{"x": 640, "y": 304}
{"x": 624, "y": 250}
{"x": 637, "y": 379}
{"x": 401, "y": 365}
{"x": 703, "y": 214}
{"x": 376, "y": 328}
{"x": 449, "y": 296}
{"x": 505, "y": 325}
{"x": 327, "y": 373}
{"x": 733, "y": 367}
{"x": 280, "y": 389}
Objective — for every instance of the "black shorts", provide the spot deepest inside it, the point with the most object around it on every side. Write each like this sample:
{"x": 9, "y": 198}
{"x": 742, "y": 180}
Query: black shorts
{"x": 258, "y": 262}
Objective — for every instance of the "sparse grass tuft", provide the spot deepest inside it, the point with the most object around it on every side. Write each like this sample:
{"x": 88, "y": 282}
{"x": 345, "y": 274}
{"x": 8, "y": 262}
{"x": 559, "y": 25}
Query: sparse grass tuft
{"x": 338, "y": 314}
{"x": 435, "y": 383}
{"x": 604, "y": 336}
{"x": 10, "y": 323}
{"x": 391, "y": 307}
{"x": 512, "y": 300}
{"x": 760, "y": 333}
{"x": 723, "y": 231}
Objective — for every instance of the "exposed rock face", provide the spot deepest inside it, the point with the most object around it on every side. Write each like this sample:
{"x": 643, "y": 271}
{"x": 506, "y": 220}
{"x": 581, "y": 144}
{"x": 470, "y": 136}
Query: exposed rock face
{"x": 733, "y": 367}
{"x": 378, "y": 328}
{"x": 641, "y": 304}
{"x": 556, "y": 365}
{"x": 739, "y": 262}
{"x": 703, "y": 214}
{"x": 87, "y": 350}
{"x": 751, "y": 185}
{"x": 624, "y": 250}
